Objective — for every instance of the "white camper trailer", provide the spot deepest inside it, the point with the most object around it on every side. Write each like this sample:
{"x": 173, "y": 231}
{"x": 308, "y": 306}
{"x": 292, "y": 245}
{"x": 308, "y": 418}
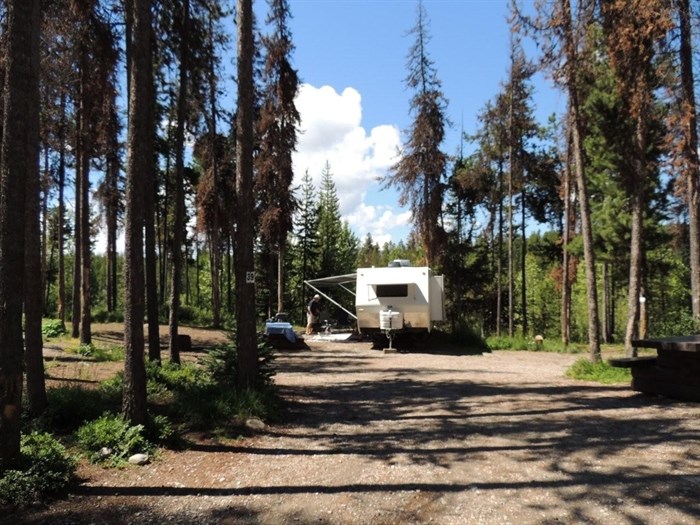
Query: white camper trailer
{"x": 391, "y": 300}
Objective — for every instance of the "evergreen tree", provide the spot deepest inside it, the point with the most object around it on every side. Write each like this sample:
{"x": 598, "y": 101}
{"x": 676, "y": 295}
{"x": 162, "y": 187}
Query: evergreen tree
{"x": 277, "y": 137}
{"x": 246, "y": 337}
{"x": 329, "y": 225}
{"x": 139, "y": 152}
{"x": 556, "y": 25}
{"x": 19, "y": 164}
{"x": 368, "y": 253}
{"x": 419, "y": 173}
{"x": 633, "y": 36}
{"x": 305, "y": 248}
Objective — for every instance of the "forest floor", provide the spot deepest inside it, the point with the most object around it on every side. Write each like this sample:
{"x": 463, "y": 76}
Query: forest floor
{"x": 422, "y": 437}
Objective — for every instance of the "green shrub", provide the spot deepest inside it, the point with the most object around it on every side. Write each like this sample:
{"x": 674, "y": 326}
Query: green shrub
{"x": 103, "y": 316}
{"x": 113, "y": 353}
{"x": 194, "y": 316}
{"x": 601, "y": 372}
{"x": 222, "y": 363}
{"x": 176, "y": 377}
{"x": 44, "y": 470}
{"x": 682, "y": 323}
{"x": 53, "y": 328}
{"x": 159, "y": 429}
{"x": 112, "y": 389}
{"x": 520, "y": 343}
{"x": 71, "y": 406}
{"x": 113, "y": 433}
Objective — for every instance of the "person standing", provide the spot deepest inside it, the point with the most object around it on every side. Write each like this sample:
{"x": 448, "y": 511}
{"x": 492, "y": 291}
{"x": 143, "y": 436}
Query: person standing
{"x": 313, "y": 311}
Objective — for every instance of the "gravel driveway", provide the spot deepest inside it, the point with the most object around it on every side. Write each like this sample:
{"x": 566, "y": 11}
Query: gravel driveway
{"x": 374, "y": 438}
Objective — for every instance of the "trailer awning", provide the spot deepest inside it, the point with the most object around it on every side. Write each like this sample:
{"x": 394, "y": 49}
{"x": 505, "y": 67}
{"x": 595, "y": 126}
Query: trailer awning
{"x": 341, "y": 281}
{"x": 335, "y": 280}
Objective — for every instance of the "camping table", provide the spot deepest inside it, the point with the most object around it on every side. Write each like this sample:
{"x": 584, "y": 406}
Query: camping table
{"x": 674, "y": 372}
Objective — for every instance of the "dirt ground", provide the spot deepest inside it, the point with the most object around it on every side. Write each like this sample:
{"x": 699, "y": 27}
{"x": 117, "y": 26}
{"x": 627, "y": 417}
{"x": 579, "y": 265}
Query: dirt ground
{"x": 411, "y": 438}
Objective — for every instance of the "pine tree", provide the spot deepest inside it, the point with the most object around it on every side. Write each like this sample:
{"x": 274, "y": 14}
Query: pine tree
{"x": 139, "y": 152}
{"x": 19, "y": 162}
{"x": 305, "y": 248}
{"x": 277, "y": 137}
{"x": 329, "y": 225}
{"x": 560, "y": 30}
{"x": 418, "y": 175}
{"x": 246, "y": 337}
{"x": 633, "y": 35}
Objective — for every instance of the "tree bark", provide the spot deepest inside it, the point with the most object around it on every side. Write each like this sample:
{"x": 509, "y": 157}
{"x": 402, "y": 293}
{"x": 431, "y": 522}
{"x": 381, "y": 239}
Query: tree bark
{"x": 565, "y": 287}
{"x": 61, "y": 215}
{"x": 140, "y": 153}
{"x": 19, "y": 163}
{"x": 580, "y": 174}
{"x": 150, "y": 194}
{"x": 244, "y": 263}
{"x": 179, "y": 197}
{"x": 84, "y": 159}
{"x": 690, "y": 152}
{"x": 77, "y": 223}
{"x": 33, "y": 292}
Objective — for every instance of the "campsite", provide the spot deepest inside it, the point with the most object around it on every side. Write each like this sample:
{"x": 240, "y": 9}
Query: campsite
{"x": 415, "y": 437}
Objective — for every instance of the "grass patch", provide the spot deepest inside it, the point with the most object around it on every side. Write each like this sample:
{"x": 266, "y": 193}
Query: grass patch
{"x": 601, "y": 372}
{"x": 528, "y": 344}
{"x": 101, "y": 354}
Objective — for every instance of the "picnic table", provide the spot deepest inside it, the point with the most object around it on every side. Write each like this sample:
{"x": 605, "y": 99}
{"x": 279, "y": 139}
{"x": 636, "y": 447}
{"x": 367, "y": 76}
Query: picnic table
{"x": 674, "y": 372}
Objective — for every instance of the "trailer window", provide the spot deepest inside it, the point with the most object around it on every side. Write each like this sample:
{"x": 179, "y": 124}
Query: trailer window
{"x": 392, "y": 290}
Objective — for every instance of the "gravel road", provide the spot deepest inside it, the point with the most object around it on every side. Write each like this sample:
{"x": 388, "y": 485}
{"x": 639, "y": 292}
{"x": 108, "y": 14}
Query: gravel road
{"x": 401, "y": 438}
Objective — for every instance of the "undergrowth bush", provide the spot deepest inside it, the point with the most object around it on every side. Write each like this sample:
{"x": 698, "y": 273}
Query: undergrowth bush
{"x": 100, "y": 354}
{"x": 601, "y": 372}
{"x": 102, "y": 315}
{"x": 112, "y": 432}
{"x": 71, "y": 406}
{"x": 52, "y": 328}
{"x": 222, "y": 363}
{"x": 45, "y": 470}
{"x": 521, "y": 343}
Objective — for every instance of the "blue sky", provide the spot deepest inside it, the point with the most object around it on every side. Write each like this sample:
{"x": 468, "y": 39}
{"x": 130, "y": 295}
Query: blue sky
{"x": 351, "y": 59}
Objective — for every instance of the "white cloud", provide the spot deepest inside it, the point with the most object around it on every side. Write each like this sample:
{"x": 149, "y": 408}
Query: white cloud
{"x": 331, "y": 131}
{"x": 379, "y": 221}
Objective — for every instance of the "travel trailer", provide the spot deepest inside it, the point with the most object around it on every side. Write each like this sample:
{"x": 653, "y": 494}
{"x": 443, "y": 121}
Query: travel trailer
{"x": 392, "y": 300}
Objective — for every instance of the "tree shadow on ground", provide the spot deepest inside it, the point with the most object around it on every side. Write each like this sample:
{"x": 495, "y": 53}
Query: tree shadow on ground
{"x": 401, "y": 415}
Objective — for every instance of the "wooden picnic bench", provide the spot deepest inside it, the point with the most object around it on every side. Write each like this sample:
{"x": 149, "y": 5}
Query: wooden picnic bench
{"x": 674, "y": 372}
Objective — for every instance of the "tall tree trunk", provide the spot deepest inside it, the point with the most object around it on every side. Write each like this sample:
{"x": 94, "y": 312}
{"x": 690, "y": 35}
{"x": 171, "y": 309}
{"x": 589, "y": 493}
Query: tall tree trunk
{"x": 571, "y": 53}
{"x": 61, "y": 215}
{"x": 85, "y": 257}
{"x": 215, "y": 231}
{"x": 33, "y": 291}
{"x": 77, "y": 223}
{"x": 112, "y": 208}
{"x": 689, "y": 119}
{"x": 244, "y": 262}
{"x": 637, "y": 202}
{"x": 151, "y": 270}
{"x": 19, "y": 162}
{"x": 179, "y": 225}
{"x": 140, "y": 153}
{"x": 565, "y": 287}
{"x": 280, "y": 276}
{"x": 605, "y": 285}
{"x": 523, "y": 269}
{"x": 499, "y": 254}
{"x": 215, "y": 265}
{"x": 511, "y": 276}
{"x": 44, "y": 214}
